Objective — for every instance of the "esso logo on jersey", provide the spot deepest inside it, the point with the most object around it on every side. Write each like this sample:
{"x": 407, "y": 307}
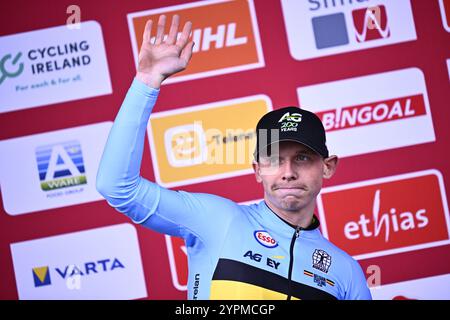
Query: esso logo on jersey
{"x": 265, "y": 239}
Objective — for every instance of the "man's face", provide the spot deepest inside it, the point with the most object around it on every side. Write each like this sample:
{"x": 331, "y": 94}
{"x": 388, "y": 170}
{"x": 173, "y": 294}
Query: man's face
{"x": 293, "y": 177}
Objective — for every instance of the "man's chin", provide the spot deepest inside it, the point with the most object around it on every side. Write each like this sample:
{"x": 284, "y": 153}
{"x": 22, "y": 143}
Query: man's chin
{"x": 291, "y": 203}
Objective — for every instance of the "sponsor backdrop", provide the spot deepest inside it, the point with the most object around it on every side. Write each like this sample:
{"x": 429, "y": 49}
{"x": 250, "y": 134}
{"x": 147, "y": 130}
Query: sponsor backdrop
{"x": 377, "y": 72}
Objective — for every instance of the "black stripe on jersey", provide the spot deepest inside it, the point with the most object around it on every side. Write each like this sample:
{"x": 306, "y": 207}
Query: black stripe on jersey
{"x": 238, "y": 271}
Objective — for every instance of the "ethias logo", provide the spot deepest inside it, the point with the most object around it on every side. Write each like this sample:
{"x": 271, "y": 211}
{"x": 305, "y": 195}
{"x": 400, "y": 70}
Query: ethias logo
{"x": 60, "y": 165}
{"x": 387, "y": 215}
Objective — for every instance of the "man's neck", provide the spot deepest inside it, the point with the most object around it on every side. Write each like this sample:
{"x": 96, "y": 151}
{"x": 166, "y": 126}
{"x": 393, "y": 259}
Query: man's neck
{"x": 301, "y": 218}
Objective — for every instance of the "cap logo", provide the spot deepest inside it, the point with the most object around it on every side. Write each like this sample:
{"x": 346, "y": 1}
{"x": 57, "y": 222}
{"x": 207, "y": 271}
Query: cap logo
{"x": 296, "y": 117}
{"x": 289, "y": 122}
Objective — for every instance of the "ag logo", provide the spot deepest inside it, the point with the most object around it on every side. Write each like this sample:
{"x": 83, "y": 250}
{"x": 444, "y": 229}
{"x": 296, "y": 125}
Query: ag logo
{"x": 321, "y": 260}
{"x": 296, "y": 117}
{"x": 264, "y": 238}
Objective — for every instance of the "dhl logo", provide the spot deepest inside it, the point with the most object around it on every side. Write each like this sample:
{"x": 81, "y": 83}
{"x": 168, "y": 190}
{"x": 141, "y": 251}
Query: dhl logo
{"x": 225, "y": 33}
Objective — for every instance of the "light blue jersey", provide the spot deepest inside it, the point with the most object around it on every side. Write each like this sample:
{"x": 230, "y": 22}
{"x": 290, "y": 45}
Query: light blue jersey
{"x": 234, "y": 251}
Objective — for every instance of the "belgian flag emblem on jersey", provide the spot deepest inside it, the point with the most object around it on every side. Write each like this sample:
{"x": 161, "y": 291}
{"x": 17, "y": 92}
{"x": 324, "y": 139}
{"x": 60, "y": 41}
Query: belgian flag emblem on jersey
{"x": 41, "y": 276}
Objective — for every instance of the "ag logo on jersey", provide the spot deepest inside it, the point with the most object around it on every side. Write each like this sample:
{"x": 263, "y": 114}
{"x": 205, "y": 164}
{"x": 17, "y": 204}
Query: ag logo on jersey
{"x": 265, "y": 239}
{"x": 321, "y": 260}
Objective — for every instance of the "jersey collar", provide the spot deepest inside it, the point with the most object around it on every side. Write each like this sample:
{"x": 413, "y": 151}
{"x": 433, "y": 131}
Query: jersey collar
{"x": 311, "y": 230}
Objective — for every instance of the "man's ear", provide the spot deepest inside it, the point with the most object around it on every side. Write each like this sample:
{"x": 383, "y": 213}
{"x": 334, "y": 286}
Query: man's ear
{"x": 257, "y": 170}
{"x": 329, "y": 166}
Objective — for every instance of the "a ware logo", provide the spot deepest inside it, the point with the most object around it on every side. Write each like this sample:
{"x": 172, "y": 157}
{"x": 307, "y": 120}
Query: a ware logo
{"x": 444, "y": 5}
{"x": 10, "y": 67}
{"x": 51, "y": 172}
{"x": 324, "y": 27}
{"x": 371, "y": 23}
{"x": 225, "y": 34}
{"x": 60, "y": 165}
{"x": 207, "y": 142}
{"x": 41, "y": 276}
{"x": 376, "y": 112}
{"x": 52, "y": 65}
{"x": 387, "y": 215}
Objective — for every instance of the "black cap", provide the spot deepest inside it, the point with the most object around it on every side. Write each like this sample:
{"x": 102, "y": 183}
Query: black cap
{"x": 290, "y": 124}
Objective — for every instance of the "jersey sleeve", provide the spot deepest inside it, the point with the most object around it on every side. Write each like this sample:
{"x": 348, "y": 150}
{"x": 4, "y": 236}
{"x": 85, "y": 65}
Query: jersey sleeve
{"x": 357, "y": 287}
{"x": 171, "y": 212}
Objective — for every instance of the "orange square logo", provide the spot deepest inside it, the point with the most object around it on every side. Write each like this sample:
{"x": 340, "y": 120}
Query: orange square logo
{"x": 225, "y": 33}
{"x": 205, "y": 142}
{"x": 386, "y": 216}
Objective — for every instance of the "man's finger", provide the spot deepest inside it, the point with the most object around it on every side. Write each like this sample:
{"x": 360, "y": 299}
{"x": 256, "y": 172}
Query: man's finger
{"x": 147, "y": 31}
{"x": 160, "y": 29}
{"x": 173, "y": 30}
{"x": 184, "y": 38}
{"x": 186, "y": 54}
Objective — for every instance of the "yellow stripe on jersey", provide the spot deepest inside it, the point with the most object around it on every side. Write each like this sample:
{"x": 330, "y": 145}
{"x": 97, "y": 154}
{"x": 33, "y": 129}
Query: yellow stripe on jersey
{"x": 235, "y": 290}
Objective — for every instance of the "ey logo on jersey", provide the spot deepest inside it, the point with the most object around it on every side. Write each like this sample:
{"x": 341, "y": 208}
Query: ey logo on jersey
{"x": 386, "y": 215}
{"x": 60, "y": 165}
{"x": 323, "y": 27}
{"x": 265, "y": 239}
{"x": 225, "y": 34}
{"x": 41, "y": 276}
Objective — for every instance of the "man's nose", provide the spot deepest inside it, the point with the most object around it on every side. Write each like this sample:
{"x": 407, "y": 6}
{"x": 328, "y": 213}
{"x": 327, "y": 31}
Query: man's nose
{"x": 289, "y": 172}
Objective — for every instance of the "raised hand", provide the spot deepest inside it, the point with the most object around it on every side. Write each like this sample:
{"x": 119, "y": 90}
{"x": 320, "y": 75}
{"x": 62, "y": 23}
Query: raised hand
{"x": 163, "y": 58}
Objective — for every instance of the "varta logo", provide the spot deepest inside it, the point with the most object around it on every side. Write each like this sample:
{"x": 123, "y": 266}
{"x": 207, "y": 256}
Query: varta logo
{"x": 90, "y": 268}
{"x": 41, "y": 276}
{"x": 296, "y": 117}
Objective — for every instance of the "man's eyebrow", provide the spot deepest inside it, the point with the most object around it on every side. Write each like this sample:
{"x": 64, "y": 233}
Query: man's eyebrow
{"x": 307, "y": 151}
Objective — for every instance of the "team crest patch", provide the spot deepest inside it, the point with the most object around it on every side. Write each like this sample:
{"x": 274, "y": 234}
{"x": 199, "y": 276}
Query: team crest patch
{"x": 321, "y": 260}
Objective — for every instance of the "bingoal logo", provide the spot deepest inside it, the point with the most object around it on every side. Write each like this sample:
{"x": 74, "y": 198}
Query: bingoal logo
{"x": 388, "y": 215}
